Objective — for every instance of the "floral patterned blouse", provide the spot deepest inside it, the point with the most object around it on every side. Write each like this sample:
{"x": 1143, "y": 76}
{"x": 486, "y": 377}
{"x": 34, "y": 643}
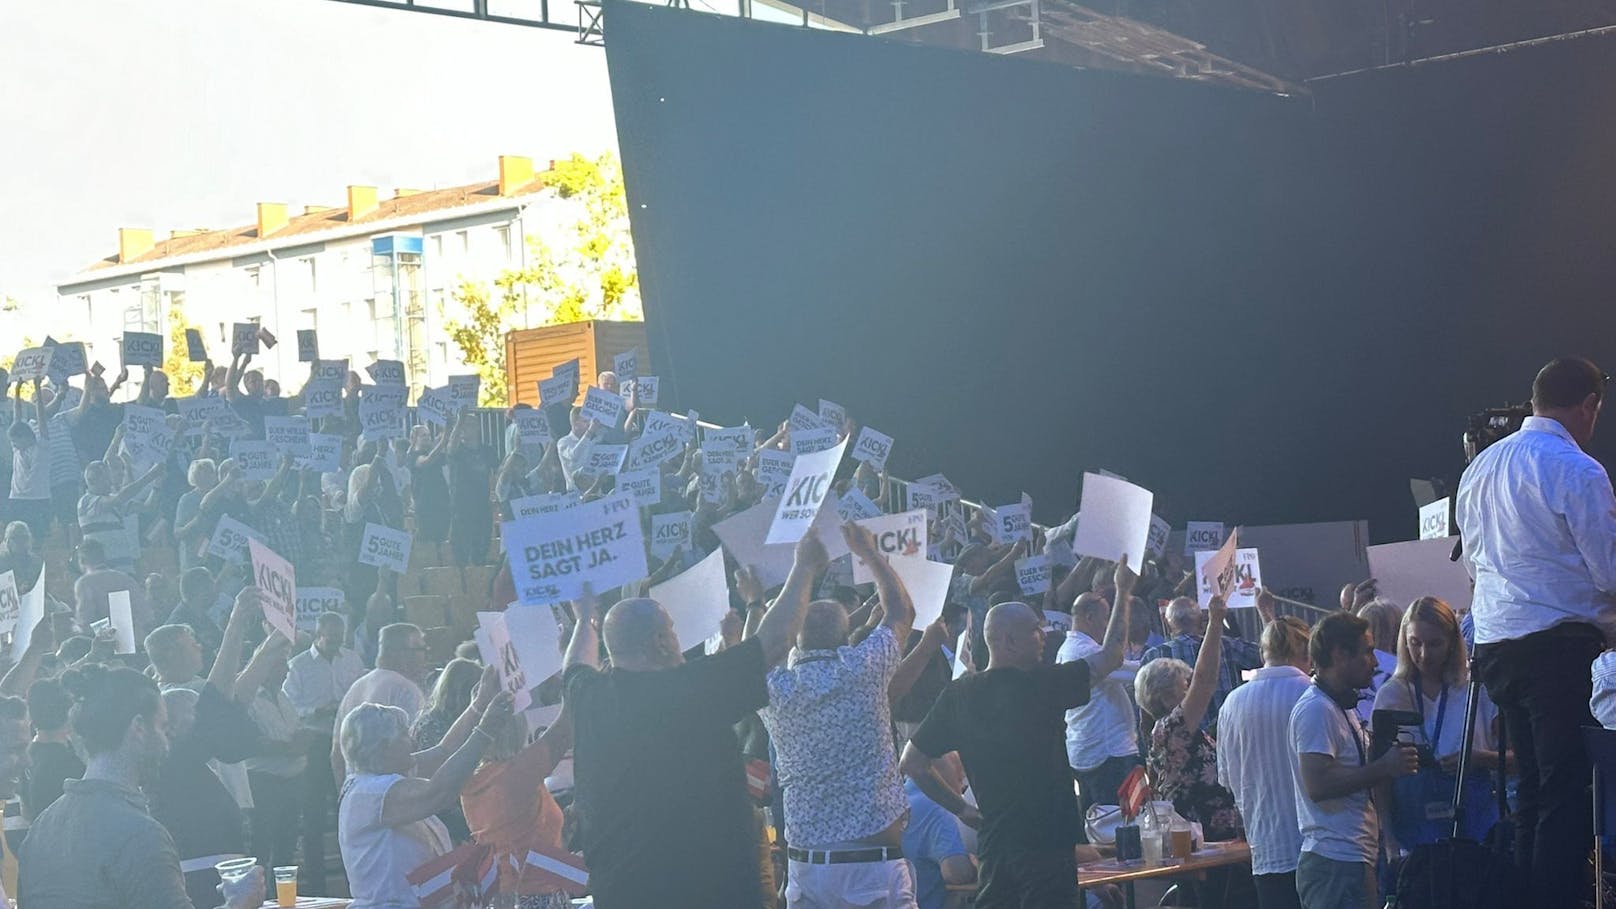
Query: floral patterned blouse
{"x": 1183, "y": 765}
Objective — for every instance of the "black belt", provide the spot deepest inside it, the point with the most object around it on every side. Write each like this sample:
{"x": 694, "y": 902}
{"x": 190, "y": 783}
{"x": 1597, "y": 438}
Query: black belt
{"x": 844, "y": 857}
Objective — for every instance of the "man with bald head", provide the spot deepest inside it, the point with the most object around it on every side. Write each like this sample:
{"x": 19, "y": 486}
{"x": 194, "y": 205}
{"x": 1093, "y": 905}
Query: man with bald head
{"x": 663, "y": 810}
{"x": 1009, "y": 726}
{"x": 1186, "y": 627}
{"x": 830, "y": 721}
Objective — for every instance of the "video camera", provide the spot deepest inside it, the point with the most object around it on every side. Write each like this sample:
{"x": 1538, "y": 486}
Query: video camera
{"x": 1388, "y": 728}
{"x": 1492, "y": 424}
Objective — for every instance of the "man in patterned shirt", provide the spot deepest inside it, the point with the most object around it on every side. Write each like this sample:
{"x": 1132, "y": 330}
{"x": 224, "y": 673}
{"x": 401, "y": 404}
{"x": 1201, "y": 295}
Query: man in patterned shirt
{"x": 831, "y": 724}
{"x": 1187, "y": 624}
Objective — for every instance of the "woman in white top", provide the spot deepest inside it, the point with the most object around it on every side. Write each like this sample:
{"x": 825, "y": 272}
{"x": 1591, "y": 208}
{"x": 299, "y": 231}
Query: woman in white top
{"x": 385, "y": 824}
{"x": 30, "y": 465}
{"x": 1432, "y": 680}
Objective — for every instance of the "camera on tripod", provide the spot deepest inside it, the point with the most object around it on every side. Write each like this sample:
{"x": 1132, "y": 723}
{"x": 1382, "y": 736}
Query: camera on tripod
{"x": 1492, "y": 424}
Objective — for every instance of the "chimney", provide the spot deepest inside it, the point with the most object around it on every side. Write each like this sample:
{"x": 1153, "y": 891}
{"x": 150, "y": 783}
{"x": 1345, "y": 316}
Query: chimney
{"x": 515, "y": 172}
{"x": 401, "y": 192}
{"x": 271, "y": 217}
{"x": 184, "y": 232}
{"x": 133, "y": 242}
{"x": 316, "y": 209}
{"x": 361, "y": 201}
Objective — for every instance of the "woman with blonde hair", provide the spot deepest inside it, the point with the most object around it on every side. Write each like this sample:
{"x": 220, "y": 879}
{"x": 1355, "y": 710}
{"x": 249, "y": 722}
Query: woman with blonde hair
{"x": 1431, "y": 680}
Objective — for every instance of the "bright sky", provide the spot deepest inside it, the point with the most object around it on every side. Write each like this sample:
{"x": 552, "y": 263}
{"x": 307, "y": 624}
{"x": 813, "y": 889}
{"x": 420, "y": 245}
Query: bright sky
{"x": 184, "y": 113}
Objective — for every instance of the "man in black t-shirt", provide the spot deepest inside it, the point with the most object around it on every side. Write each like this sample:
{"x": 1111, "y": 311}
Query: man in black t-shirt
{"x": 663, "y": 813}
{"x": 1008, "y": 724}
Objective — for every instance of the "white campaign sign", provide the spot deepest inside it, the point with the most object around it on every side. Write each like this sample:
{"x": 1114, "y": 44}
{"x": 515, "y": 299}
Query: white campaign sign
{"x": 387, "y": 372}
{"x": 654, "y": 450}
{"x": 773, "y": 471}
{"x": 1115, "y": 520}
{"x": 603, "y": 460}
{"x": 194, "y": 348}
{"x": 856, "y": 506}
{"x": 243, "y": 338}
{"x": 669, "y": 532}
{"x": 308, "y": 345}
{"x": 1032, "y": 575}
{"x": 289, "y": 435}
{"x": 142, "y": 348}
{"x": 809, "y": 441}
{"x": 872, "y": 448}
{"x": 31, "y": 364}
{"x": 330, "y": 371}
{"x": 30, "y": 609}
{"x": 557, "y": 389}
{"x": 532, "y": 427}
{"x": 644, "y": 485}
{"x": 1434, "y": 520}
{"x": 1311, "y": 562}
{"x": 434, "y": 406}
{"x": 803, "y": 418}
{"x": 603, "y": 407}
{"x": 696, "y": 598}
{"x": 322, "y": 398}
{"x": 497, "y": 650}
{"x": 69, "y": 360}
{"x": 1202, "y": 536}
{"x": 743, "y": 536}
{"x": 927, "y": 583}
{"x": 255, "y": 460}
{"x": 229, "y": 540}
{"x": 1216, "y": 572}
{"x": 122, "y": 618}
{"x": 463, "y": 391}
{"x": 647, "y": 389}
{"x": 810, "y": 482}
{"x": 385, "y": 547}
{"x": 626, "y": 365}
{"x": 1159, "y": 531}
{"x": 10, "y": 602}
{"x": 325, "y": 453}
{"x": 1404, "y": 572}
{"x": 552, "y": 556}
{"x": 1011, "y": 523}
{"x": 277, "y": 581}
{"x": 1247, "y": 579}
{"x": 313, "y": 601}
{"x": 537, "y": 638}
{"x": 899, "y": 537}
{"x": 832, "y": 413}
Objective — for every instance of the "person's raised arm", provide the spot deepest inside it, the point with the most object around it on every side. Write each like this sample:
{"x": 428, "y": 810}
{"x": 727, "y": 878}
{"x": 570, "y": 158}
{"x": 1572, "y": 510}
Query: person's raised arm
{"x": 227, "y": 664}
{"x": 779, "y": 626}
{"x": 1114, "y": 647}
{"x": 22, "y": 673}
{"x": 232, "y": 379}
{"x": 539, "y": 760}
{"x": 669, "y": 566}
{"x": 914, "y": 663}
{"x": 750, "y": 590}
{"x": 414, "y": 798}
{"x": 133, "y": 488}
{"x": 206, "y": 382}
{"x": 273, "y": 650}
{"x": 428, "y": 760}
{"x": 1204, "y": 680}
{"x": 1006, "y": 565}
{"x": 117, "y": 383}
{"x": 39, "y": 411}
{"x": 584, "y": 647}
{"x": 227, "y": 483}
{"x": 898, "y": 609}
{"x": 272, "y": 489}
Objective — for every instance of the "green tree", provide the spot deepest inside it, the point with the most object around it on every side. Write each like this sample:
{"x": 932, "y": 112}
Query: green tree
{"x": 579, "y": 268}
{"x": 183, "y": 375}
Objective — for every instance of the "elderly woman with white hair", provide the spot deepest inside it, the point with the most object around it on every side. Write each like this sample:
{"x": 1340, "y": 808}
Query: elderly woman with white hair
{"x": 386, "y": 825}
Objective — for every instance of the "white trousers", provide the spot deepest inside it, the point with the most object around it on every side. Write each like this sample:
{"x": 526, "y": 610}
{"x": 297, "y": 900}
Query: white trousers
{"x": 854, "y": 885}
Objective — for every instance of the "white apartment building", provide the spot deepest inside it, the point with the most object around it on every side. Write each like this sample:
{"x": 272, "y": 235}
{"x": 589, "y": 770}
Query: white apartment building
{"x": 375, "y": 278}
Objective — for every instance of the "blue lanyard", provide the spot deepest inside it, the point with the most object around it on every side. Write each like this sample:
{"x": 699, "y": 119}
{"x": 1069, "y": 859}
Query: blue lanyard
{"x": 1441, "y": 710}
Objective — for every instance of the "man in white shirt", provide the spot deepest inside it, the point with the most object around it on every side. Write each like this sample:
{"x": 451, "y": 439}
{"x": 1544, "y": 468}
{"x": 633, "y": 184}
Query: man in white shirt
{"x": 316, "y": 681}
{"x": 1102, "y": 736}
{"x": 1539, "y": 524}
{"x": 395, "y": 682}
{"x": 1254, "y": 759}
{"x": 1333, "y": 775}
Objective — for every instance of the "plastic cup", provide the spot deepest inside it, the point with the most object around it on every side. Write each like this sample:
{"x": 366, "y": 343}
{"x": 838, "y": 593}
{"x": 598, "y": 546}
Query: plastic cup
{"x": 286, "y": 886}
{"x": 1151, "y": 844}
{"x": 234, "y": 870}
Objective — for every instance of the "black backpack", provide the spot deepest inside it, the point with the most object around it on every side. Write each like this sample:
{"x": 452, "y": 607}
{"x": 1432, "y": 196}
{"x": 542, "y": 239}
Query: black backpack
{"x": 1457, "y": 873}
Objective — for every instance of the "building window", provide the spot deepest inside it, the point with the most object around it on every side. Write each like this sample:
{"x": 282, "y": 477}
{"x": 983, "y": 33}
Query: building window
{"x": 504, "y": 235}
{"x": 464, "y": 238}
{"x": 308, "y": 272}
{"x": 311, "y": 319}
{"x": 437, "y": 245}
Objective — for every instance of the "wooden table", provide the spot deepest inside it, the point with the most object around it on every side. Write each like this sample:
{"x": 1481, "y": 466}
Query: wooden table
{"x": 1209, "y": 856}
{"x": 313, "y": 902}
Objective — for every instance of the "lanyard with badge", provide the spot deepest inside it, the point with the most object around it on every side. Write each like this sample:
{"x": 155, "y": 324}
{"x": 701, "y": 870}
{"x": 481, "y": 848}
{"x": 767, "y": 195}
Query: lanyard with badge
{"x": 1438, "y": 804}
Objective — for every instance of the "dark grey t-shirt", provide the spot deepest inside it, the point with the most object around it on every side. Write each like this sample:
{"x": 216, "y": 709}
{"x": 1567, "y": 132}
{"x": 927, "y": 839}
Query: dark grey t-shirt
{"x": 98, "y": 847}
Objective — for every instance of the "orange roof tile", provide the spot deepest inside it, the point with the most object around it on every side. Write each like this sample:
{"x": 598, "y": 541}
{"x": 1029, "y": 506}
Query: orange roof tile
{"x": 423, "y": 202}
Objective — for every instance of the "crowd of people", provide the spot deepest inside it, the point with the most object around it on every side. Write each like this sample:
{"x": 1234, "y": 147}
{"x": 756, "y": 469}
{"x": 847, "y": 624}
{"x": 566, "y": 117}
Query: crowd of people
{"x": 820, "y": 750}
